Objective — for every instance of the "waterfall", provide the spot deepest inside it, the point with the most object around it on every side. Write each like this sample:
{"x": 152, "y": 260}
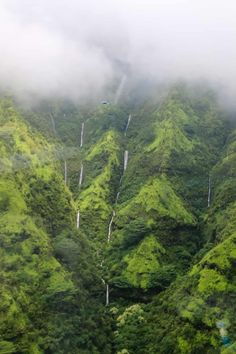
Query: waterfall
{"x": 81, "y": 174}
{"x": 120, "y": 88}
{"x": 110, "y": 226}
{"x": 65, "y": 173}
{"x": 107, "y": 291}
{"x": 128, "y": 123}
{"x": 53, "y": 124}
{"x": 117, "y": 197}
{"x": 82, "y": 135}
{"x": 78, "y": 220}
{"x": 126, "y": 155}
{"x": 107, "y": 295}
{"x": 209, "y": 193}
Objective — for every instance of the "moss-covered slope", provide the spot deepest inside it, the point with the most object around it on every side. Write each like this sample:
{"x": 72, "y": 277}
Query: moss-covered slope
{"x": 47, "y": 302}
{"x": 196, "y": 314}
{"x": 169, "y": 217}
{"x": 172, "y": 148}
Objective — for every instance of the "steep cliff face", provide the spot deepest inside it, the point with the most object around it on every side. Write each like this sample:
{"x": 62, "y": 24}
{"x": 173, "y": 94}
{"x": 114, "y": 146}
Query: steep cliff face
{"x": 47, "y": 285}
{"x": 145, "y": 223}
{"x": 167, "y": 219}
{"x": 196, "y": 314}
{"x": 158, "y": 201}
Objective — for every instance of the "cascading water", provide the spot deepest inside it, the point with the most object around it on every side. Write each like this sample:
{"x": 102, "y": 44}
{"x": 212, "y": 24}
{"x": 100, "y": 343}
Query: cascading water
{"x": 117, "y": 197}
{"x": 107, "y": 291}
{"x": 65, "y": 172}
{"x": 126, "y": 156}
{"x": 81, "y": 174}
{"x": 209, "y": 193}
{"x": 82, "y": 135}
{"x": 78, "y": 220}
{"x": 110, "y": 226}
{"x": 128, "y": 123}
{"x": 107, "y": 294}
{"x": 120, "y": 88}
{"x": 108, "y": 240}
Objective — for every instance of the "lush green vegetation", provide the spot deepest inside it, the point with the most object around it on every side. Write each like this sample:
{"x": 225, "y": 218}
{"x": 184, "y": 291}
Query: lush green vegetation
{"x": 183, "y": 318}
{"x": 170, "y": 262}
{"x": 47, "y": 281}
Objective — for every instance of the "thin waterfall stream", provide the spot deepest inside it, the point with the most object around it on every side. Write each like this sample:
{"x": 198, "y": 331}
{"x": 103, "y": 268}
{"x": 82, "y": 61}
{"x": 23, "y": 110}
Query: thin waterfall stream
{"x": 107, "y": 295}
{"x": 82, "y": 135}
{"x": 65, "y": 172}
{"x": 78, "y": 220}
{"x": 125, "y": 165}
{"x": 81, "y": 171}
{"x": 110, "y": 226}
{"x": 81, "y": 174}
{"x": 126, "y": 157}
{"x": 117, "y": 197}
{"x": 128, "y": 123}
{"x": 209, "y": 193}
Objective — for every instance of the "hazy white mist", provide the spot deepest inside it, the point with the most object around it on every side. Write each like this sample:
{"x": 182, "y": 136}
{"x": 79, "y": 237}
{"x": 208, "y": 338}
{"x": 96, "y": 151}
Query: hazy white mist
{"x": 77, "y": 48}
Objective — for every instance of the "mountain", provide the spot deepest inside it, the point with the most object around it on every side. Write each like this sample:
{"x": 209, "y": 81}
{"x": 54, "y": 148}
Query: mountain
{"x": 50, "y": 292}
{"x": 135, "y": 253}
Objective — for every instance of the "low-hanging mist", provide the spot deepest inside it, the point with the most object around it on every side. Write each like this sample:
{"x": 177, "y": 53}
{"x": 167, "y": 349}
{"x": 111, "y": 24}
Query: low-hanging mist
{"x": 77, "y": 50}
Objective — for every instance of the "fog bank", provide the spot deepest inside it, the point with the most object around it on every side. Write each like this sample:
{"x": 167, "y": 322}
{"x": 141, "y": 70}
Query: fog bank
{"x": 77, "y": 50}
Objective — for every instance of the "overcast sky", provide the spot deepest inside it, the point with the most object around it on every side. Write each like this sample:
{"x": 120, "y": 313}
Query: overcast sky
{"x": 72, "y": 47}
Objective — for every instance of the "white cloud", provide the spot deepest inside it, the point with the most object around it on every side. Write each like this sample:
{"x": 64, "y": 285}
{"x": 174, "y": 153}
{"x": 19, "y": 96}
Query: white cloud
{"x": 68, "y": 48}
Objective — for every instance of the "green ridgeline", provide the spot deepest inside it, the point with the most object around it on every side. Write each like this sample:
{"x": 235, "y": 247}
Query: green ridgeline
{"x": 183, "y": 318}
{"x": 171, "y": 258}
{"x": 50, "y": 293}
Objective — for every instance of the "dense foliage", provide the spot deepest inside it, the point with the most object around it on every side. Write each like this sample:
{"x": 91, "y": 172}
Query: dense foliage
{"x": 50, "y": 294}
{"x": 160, "y": 235}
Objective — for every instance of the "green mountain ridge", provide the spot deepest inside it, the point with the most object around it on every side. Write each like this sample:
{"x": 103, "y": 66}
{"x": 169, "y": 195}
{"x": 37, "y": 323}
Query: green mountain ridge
{"x": 161, "y": 234}
{"x": 44, "y": 268}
